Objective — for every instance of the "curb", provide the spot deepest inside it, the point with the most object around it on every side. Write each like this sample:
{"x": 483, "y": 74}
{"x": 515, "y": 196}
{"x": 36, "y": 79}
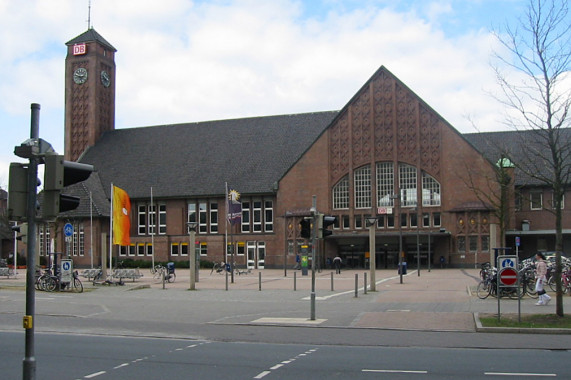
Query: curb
{"x": 517, "y": 330}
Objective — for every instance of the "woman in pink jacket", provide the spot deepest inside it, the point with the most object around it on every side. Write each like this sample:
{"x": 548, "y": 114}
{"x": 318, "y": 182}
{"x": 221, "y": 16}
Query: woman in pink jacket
{"x": 540, "y": 272}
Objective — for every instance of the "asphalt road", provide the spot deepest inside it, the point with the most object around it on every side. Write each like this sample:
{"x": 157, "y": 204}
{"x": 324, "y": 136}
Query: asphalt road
{"x": 70, "y": 356}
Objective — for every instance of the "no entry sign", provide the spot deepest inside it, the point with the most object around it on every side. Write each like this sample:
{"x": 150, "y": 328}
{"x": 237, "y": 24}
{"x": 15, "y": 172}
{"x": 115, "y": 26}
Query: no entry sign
{"x": 508, "y": 277}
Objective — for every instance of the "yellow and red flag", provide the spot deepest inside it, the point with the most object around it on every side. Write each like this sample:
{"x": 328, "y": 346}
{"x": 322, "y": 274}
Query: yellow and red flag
{"x": 121, "y": 217}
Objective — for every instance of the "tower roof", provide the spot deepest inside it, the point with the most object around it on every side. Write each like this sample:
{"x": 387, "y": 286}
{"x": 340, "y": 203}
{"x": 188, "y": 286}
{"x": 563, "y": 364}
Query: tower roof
{"x": 90, "y": 36}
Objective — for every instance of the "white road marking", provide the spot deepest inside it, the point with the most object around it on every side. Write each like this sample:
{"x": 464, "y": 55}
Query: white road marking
{"x": 393, "y": 371}
{"x": 520, "y": 374}
{"x": 95, "y": 374}
{"x": 262, "y": 374}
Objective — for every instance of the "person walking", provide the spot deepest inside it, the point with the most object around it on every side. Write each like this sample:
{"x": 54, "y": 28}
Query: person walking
{"x": 337, "y": 263}
{"x": 540, "y": 272}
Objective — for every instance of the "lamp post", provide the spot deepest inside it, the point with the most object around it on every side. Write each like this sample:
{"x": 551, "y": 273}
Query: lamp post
{"x": 396, "y": 198}
{"x": 192, "y": 253}
{"x": 371, "y": 223}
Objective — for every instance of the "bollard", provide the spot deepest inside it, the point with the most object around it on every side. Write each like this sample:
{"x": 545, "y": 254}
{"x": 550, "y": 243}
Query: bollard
{"x": 356, "y": 285}
{"x": 164, "y": 277}
{"x": 226, "y": 275}
{"x": 331, "y": 281}
{"x": 365, "y": 282}
{"x": 294, "y": 281}
{"x": 260, "y": 281}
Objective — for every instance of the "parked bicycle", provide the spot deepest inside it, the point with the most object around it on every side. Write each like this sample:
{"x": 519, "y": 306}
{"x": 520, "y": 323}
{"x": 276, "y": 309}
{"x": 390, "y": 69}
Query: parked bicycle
{"x": 565, "y": 281}
{"x": 49, "y": 282}
{"x": 220, "y": 268}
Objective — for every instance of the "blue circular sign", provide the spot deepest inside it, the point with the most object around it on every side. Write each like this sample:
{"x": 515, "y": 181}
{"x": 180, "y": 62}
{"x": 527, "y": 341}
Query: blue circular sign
{"x": 68, "y": 229}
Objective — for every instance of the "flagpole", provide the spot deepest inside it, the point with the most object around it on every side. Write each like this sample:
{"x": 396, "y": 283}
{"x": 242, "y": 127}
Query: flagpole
{"x": 153, "y": 232}
{"x": 111, "y": 231}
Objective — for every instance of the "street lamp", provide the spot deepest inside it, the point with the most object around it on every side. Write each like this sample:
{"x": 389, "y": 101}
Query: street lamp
{"x": 396, "y": 198}
{"x": 371, "y": 222}
{"x": 192, "y": 253}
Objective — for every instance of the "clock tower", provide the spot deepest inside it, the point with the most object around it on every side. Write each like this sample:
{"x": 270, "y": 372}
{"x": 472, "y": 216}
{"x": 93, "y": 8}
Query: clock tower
{"x": 89, "y": 92}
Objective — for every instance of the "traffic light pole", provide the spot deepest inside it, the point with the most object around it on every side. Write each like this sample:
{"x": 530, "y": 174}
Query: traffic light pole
{"x": 29, "y": 363}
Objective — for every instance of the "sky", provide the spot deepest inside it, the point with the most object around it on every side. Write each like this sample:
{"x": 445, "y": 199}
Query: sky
{"x": 187, "y": 61}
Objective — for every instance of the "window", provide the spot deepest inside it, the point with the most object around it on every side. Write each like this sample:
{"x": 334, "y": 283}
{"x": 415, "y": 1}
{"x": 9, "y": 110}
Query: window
{"x": 346, "y": 222}
{"x": 184, "y": 249}
{"x": 191, "y": 216}
{"x": 391, "y": 221}
{"x": 358, "y": 221}
{"x": 430, "y": 190}
{"x": 162, "y": 219}
{"x": 461, "y": 242}
{"x": 203, "y": 249}
{"x": 381, "y": 221}
{"x": 241, "y": 248}
{"x": 403, "y": 220}
{"x": 341, "y": 194}
{"x": 257, "y": 215}
{"x": 152, "y": 215}
{"x": 245, "y": 216}
{"x": 140, "y": 249}
{"x": 535, "y": 200}
{"x": 518, "y": 200}
{"x": 149, "y": 250}
{"x": 132, "y": 250}
{"x": 213, "y": 217}
{"x": 142, "y": 219}
{"x": 78, "y": 241}
{"x": 45, "y": 241}
{"x": 202, "y": 218}
{"x": 553, "y": 201}
{"x": 174, "y": 249}
{"x": 425, "y": 219}
{"x": 269, "y": 213}
{"x": 363, "y": 187}
{"x": 473, "y": 242}
{"x": 123, "y": 250}
{"x": 485, "y": 243}
{"x": 414, "y": 220}
{"x": 436, "y": 219}
{"x": 385, "y": 184}
{"x": 407, "y": 185}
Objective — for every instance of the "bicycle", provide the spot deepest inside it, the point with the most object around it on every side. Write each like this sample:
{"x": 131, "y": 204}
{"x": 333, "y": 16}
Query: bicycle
{"x": 168, "y": 275}
{"x": 565, "y": 281}
{"x": 157, "y": 271}
{"x": 220, "y": 268}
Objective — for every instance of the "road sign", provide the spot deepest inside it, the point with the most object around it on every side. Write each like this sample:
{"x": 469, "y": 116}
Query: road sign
{"x": 507, "y": 262}
{"x": 508, "y": 277}
{"x": 68, "y": 229}
{"x": 517, "y": 241}
{"x": 66, "y": 270}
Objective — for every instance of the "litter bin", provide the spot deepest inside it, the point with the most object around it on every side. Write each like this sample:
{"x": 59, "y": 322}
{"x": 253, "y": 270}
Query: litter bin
{"x": 403, "y": 267}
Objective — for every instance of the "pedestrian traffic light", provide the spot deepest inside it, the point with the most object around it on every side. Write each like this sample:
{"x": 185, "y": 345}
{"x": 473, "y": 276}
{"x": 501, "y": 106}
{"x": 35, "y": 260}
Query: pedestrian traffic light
{"x": 305, "y": 228}
{"x": 22, "y": 229}
{"x": 59, "y": 174}
{"x": 324, "y": 222}
{"x": 17, "y": 191}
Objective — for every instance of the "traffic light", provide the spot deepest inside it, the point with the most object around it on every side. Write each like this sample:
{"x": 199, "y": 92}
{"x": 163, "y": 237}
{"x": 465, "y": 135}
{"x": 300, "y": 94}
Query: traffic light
{"x": 17, "y": 191}
{"x": 324, "y": 222}
{"x": 22, "y": 229}
{"x": 57, "y": 175}
{"x": 305, "y": 228}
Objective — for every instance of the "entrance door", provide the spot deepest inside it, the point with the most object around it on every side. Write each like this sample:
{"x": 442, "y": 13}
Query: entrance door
{"x": 256, "y": 251}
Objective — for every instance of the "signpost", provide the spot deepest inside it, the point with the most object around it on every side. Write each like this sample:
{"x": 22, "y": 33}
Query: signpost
{"x": 508, "y": 277}
{"x": 68, "y": 232}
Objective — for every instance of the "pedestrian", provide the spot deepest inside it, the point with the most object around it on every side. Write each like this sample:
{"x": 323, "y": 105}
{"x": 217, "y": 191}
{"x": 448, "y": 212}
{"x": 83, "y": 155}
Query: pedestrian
{"x": 540, "y": 272}
{"x": 337, "y": 263}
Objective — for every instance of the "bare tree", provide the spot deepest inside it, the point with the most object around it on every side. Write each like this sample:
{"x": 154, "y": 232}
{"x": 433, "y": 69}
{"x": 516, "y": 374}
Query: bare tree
{"x": 537, "y": 93}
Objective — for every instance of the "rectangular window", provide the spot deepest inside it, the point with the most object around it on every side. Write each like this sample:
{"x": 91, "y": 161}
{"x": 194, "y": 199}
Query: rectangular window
{"x": 269, "y": 213}
{"x": 257, "y": 216}
{"x": 203, "y": 249}
{"x": 346, "y": 222}
{"x": 75, "y": 244}
{"x": 461, "y": 242}
{"x": 473, "y": 242}
{"x": 363, "y": 187}
{"x": 485, "y": 243}
{"x": 132, "y": 250}
{"x": 390, "y": 221}
{"x": 184, "y": 249}
{"x": 358, "y": 221}
{"x": 241, "y": 248}
{"x": 162, "y": 219}
{"x": 553, "y": 201}
{"x": 152, "y": 215}
{"x": 403, "y": 221}
{"x": 245, "y": 216}
{"x": 202, "y": 218}
{"x": 535, "y": 200}
{"x": 174, "y": 249}
{"x": 213, "y": 217}
{"x": 436, "y": 219}
{"x": 149, "y": 249}
{"x": 142, "y": 218}
{"x": 425, "y": 219}
{"x": 381, "y": 221}
{"x": 414, "y": 220}
{"x": 385, "y": 184}
{"x": 191, "y": 216}
{"x": 123, "y": 250}
{"x": 407, "y": 185}
{"x": 140, "y": 249}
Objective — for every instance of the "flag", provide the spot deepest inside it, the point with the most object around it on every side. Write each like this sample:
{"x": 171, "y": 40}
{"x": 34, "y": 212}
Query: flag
{"x": 121, "y": 217}
{"x": 234, "y": 207}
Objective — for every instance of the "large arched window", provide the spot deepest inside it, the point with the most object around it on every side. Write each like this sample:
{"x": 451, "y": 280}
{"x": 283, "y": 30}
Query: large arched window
{"x": 341, "y": 194}
{"x": 385, "y": 184}
{"x": 362, "y": 177}
{"x": 430, "y": 190}
{"x": 407, "y": 185}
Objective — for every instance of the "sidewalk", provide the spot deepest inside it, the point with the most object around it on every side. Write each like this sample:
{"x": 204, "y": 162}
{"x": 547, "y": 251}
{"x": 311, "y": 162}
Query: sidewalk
{"x": 439, "y": 300}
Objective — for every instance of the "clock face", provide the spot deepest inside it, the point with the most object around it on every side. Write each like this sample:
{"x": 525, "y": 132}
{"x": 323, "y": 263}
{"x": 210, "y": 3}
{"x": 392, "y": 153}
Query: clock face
{"x": 80, "y": 75}
{"x": 105, "y": 79}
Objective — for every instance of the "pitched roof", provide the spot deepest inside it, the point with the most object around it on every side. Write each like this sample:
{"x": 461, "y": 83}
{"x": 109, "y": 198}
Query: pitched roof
{"x": 89, "y": 36}
{"x": 197, "y": 159}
